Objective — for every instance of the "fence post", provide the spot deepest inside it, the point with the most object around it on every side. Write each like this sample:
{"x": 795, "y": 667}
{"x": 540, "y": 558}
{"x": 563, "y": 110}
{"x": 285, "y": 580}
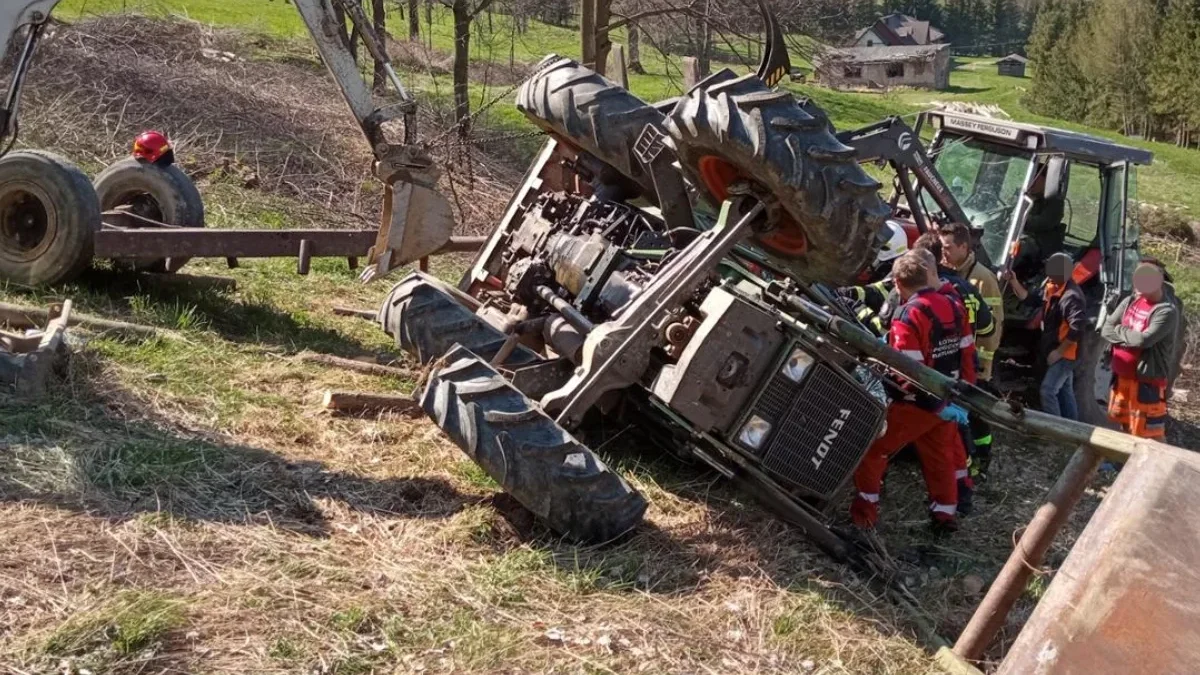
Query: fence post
{"x": 691, "y": 71}
{"x": 616, "y": 65}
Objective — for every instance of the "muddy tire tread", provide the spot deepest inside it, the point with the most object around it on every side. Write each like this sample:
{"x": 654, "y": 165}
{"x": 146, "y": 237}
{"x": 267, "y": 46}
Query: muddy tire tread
{"x": 770, "y": 137}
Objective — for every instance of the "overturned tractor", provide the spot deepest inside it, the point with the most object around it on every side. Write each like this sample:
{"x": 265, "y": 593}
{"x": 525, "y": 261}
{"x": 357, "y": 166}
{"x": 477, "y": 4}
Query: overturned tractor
{"x": 643, "y": 271}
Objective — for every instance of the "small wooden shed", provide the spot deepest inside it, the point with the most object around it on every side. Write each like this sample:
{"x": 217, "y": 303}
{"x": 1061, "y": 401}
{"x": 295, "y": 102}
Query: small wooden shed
{"x": 1012, "y": 65}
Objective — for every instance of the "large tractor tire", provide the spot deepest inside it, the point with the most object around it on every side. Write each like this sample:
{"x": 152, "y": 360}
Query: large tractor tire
{"x": 160, "y": 193}
{"x": 427, "y": 317}
{"x": 49, "y": 216}
{"x": 532, "y": 458}
{"x": 579, "y": 106}
{"x": 729, "y": 129}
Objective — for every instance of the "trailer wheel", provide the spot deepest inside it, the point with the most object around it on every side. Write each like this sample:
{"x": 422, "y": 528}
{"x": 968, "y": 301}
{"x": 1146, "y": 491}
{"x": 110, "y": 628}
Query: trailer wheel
{"x": 49, "y": 215}
{"x": 729, "y": 129}
{"x": 160, "y": 193}
{"x": 532, "y": 458}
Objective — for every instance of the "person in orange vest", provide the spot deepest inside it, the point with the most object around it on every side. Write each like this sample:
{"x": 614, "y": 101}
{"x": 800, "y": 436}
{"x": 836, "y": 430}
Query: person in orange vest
{"x": 930, "y": 327}
{"x": 1142, "y": 332}
{"x": 1064, "y": 318}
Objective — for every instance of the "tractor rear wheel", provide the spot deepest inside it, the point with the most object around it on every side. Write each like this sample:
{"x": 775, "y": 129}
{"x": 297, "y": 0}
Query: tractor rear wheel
{"x": 162, "y": 194}
{"x": 532, "y": 458}
{"x": 49, "y": 216}
{"x": 731, "y": 129}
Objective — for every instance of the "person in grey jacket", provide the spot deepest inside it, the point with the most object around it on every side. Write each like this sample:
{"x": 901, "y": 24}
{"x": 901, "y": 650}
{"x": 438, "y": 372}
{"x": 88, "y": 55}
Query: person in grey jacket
{"x": 1142, "y": 331}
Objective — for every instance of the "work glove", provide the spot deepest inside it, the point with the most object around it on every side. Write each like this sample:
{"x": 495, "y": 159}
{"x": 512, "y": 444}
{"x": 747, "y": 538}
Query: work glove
{"x": 864, "y": 513}
{"x": 953, "y": 413}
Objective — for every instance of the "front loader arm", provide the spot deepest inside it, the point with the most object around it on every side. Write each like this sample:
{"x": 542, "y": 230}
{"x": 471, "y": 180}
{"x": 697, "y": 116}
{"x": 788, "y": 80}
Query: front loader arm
{"x": 15, "y": 14}
{"x": 895, "y": 142}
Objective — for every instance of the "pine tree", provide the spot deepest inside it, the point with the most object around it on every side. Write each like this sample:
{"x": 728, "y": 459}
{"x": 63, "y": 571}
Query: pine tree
{"x": 1172, "y": 72}
{"x": 1059, "y": 88}
{"x": 1115, "y": 53}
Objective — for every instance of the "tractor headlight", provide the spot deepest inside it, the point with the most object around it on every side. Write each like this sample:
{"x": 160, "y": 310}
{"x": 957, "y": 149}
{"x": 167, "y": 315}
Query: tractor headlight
{"x": 754, "y": 432}
{"x": 797, "y": 365}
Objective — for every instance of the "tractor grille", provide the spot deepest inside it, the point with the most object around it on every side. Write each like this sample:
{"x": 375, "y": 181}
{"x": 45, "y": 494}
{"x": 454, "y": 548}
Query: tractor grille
{"x": 806, "y": 448}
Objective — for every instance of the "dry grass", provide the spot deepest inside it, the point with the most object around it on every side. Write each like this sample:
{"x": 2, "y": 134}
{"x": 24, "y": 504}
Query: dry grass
{"x": 183, "y": 505}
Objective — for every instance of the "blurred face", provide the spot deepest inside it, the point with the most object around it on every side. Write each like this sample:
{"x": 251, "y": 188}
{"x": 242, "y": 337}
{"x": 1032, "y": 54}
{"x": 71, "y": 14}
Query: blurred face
{"x": 1148, "y": 280}
{"x": 954, "y": 254}
{"x": 1058, "y": 268}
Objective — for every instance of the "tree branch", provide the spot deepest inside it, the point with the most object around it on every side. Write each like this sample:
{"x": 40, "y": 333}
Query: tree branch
{"x": 483, "y": 4}
{"x": 643, "y": 15}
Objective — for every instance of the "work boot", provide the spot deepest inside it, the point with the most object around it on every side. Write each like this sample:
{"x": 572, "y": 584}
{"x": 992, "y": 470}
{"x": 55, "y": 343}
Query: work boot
{"x": 943, "y": 524}
{"x": 966, "y": 496}
{"x": 864, "y": 510}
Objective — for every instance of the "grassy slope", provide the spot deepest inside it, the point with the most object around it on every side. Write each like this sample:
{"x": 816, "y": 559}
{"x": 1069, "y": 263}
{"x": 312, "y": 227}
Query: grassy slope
{"x": 210, "y": 519}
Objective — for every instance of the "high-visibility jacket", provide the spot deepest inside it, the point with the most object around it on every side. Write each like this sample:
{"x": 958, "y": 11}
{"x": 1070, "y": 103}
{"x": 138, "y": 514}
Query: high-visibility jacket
{"x": 985, "y": 281}
{"x": 875, "y": 304}
{"x": 932, "y": 328}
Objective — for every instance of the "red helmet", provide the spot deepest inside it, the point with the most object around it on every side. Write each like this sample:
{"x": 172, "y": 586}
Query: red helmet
{"x": 152, "y": 146}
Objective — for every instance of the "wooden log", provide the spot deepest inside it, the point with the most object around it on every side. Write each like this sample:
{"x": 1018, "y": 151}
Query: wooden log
{"x": 368, "y": 314}
{"x": 357, "y": 366}
{"x": 18, "y": 316}
{"x": 357, "y": 402}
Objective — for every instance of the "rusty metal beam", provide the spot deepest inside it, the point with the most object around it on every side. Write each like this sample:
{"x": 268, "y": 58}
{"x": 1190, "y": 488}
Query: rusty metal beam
{"x": 217, "y": 243}
{"x": 1028, "y": 555}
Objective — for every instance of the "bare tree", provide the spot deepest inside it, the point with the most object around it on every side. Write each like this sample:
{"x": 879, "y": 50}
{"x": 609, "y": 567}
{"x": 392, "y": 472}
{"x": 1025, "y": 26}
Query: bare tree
{"x": 379, "y": 18}
{"x": 464, "y": 11}
{"x": 596, "y": 24}
{"x": 414, "y": 21}
{"x": 635, "y": 49}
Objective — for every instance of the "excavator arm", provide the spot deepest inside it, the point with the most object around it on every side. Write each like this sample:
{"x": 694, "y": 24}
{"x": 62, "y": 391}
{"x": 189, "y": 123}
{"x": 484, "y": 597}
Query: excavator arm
{"x": 416, "y": 221}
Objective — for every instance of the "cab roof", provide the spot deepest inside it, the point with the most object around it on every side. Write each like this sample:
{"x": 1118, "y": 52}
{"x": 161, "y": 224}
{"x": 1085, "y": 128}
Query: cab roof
{"x": 1076, "y": 146}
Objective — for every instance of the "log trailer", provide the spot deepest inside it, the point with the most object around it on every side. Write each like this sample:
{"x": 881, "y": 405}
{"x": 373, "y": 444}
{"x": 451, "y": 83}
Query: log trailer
{"x": 147, "y": 214}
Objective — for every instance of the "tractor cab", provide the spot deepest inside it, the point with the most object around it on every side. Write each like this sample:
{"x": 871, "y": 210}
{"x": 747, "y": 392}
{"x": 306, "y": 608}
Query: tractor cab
{"x": 1030, "y": 191}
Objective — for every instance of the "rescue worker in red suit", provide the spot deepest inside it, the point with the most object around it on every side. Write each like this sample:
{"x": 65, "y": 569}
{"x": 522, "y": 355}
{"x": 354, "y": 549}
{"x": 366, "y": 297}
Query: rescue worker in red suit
{"x": 931, "y": 327}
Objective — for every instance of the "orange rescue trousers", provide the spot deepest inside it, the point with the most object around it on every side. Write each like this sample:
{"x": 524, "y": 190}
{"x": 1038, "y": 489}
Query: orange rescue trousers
{"x": 939, "y": 446}
{"x": 1139, "y": 407}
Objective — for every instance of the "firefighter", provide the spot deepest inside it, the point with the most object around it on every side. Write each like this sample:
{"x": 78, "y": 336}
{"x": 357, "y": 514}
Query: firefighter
{"x": 874, "y": 304}
{"x": 1064, "y": 318}
{"x": 957, "y": 255}
{"x": 931, "y": 328}
{"x": 870, "y": 302}
{"x": 1142, "y": 331}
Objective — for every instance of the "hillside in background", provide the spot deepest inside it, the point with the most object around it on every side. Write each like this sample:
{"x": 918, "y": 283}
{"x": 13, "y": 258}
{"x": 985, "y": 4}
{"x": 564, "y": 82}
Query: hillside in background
{"x": 507, "y": 53}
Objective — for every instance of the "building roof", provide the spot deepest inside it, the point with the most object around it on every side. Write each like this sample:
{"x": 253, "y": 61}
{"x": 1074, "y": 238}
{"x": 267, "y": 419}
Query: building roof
{"x": 903, "y": 30}
{"x": 1013, "y": 58}
{"x": 880, "y": 54}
